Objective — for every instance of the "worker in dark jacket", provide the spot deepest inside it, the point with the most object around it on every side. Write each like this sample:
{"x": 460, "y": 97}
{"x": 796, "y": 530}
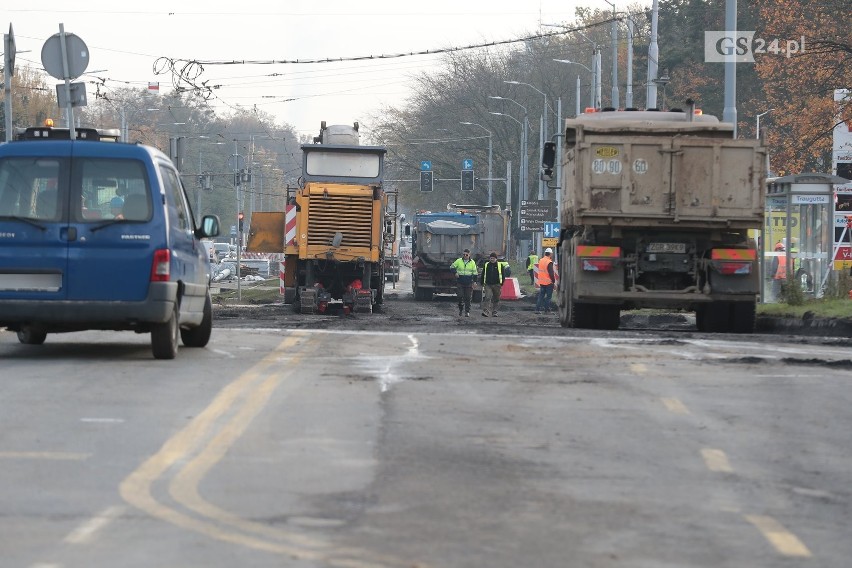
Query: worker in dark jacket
{"x": 492, "y": 280}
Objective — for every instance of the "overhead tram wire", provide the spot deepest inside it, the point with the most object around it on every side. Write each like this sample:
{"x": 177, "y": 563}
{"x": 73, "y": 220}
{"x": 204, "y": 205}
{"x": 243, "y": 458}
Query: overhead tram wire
{"x": 186, "y": 73}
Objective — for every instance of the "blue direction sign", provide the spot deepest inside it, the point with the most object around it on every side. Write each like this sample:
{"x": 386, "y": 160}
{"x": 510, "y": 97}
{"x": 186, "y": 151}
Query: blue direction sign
{"x": 425, "y": 166}
{"x": 467, "y": 164}
{"x": 551, "y": 230}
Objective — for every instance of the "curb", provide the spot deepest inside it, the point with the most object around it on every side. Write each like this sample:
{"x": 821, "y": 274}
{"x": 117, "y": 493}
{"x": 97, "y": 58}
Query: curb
{"x": 806, "y": 325}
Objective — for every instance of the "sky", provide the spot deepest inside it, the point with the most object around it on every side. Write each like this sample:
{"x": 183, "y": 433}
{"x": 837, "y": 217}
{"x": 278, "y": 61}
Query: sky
{"x": 132, "y": 43}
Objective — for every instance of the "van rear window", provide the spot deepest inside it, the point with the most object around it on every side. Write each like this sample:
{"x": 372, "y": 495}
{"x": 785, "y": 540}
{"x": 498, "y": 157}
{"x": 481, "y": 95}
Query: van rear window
{"x": 29, "y": 187}
{"x": 112, "y": 189}
{"x": 73, "y": 190}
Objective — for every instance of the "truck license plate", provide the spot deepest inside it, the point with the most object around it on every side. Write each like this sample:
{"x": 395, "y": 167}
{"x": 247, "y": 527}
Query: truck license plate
{"x": 678, "y": 248}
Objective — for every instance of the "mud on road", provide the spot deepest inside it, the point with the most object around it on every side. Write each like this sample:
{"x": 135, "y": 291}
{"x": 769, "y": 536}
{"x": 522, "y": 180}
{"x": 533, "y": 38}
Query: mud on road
{"x": 401, "y": 313}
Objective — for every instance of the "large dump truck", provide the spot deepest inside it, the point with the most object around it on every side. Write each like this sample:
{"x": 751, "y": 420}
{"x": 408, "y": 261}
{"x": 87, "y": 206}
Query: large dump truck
{"x": 439, "y": 238}
{"x": 656, "y": 212}
{"x": 335, "y": 228}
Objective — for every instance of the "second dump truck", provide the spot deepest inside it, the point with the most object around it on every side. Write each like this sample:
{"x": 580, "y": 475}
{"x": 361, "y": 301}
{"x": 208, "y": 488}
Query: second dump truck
{"x": 659, "y": 210}
{"x": 336, "y": 225}
{"x": 439, "y": 238}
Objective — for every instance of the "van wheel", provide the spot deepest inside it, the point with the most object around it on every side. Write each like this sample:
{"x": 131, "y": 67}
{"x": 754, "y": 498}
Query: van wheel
{"x": 164, "y": 337}
{"x": 200, "y": 335}
{"x": 30, "y": 336}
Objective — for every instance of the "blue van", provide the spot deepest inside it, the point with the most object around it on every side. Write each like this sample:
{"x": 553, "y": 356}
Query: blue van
{"x": 98, "y": 234}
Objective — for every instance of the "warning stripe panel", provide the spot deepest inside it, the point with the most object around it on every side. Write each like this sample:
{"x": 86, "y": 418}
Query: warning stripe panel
{"x": 598, "y": 251}
{"x": 733, "y": 254}
{"x": 290, "y": 225}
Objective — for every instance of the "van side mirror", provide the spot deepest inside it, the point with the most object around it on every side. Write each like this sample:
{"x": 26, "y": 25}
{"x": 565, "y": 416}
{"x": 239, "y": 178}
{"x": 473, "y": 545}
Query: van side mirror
{"x": 547, "y": 161}
{"x": 407, "y": 230}
{"x": 209, "y": 227}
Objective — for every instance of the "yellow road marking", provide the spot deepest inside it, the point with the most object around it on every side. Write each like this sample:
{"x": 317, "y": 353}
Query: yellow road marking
{"x": 251, "y": 391}
{"x": 675, "y": 405}
{"x": 716, "y": 460}
{"x": 783, "y": 540}
{"x": 638, "y": 368}
{"x": 44, "y": 456}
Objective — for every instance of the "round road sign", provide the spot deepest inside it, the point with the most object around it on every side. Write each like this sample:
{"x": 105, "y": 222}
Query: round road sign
{"x": 78, "y": 56}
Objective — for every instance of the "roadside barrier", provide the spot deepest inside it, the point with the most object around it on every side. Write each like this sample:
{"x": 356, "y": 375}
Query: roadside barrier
{"x": 511, "y": 289}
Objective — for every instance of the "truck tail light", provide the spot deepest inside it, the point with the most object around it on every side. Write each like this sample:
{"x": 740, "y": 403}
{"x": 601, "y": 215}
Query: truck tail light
{"x": 161, "y": 267}
{"x": 597, "y": 265}
{"x": 732, "y": 267}
{"x": 733, "y": 261}
{"x": 595, "y": 258}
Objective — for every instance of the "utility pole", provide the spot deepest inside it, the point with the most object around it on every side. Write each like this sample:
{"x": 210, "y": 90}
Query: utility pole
{"x": 653, "y": 59}
{"x": 614, "y": 40}
{"x": 729, "y": 113}
{"x": 628, "y": 96}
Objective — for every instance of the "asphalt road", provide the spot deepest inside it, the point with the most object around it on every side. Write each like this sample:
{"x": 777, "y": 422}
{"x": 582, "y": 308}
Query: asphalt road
{"x": 426, "y": 441}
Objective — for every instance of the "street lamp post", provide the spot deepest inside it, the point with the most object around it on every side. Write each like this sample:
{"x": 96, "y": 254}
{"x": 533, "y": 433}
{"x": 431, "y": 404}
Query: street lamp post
{"x": 524, "y": 166}
{"x": 124, "y": 119}
{"x": 592, "y": 94}
{"x": 542, "y": 137}
{"x": 201, "y": 185}
{"x": 596, "y": 71}
{"x": 757, "y": 126}
{"x": 522, "y": 177}
{"x": 490, "y": 180}
{"x": 614, "y": 40}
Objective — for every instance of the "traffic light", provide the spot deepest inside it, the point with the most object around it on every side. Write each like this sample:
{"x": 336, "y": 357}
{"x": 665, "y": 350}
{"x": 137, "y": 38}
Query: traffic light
{"x": 240, "y": 219}
{"x": 467, "y": 180}
{"x": 426, "y": 180}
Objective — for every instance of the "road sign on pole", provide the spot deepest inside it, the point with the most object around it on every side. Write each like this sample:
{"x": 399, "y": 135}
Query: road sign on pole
{"x": 534, "y": 214}
{"x": 551, "y": 230}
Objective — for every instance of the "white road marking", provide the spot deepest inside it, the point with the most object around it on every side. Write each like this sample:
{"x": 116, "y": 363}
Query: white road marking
{"x": 103, "y": 420}
{"x": 87, "y": 531}
{"x": 44, "y": 456}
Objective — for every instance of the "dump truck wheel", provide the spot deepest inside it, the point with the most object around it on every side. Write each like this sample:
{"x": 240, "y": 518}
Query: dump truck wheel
{"x": 743, "y": 317}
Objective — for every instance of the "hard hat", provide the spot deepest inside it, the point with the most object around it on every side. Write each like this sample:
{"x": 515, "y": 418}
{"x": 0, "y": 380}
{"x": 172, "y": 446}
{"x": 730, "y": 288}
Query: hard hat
{"x": 116, "y": 203}
{"x": 548, "y": 250}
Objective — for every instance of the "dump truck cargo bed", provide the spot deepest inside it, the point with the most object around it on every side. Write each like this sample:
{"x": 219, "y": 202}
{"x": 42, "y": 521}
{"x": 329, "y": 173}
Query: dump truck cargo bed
{"x": 676, "y": 175}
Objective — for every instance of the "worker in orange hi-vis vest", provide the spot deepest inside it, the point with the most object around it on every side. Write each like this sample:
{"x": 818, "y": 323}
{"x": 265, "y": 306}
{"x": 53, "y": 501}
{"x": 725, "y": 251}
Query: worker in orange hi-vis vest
{"x": 546, "y": 277}
{"x": 778, "y": 267}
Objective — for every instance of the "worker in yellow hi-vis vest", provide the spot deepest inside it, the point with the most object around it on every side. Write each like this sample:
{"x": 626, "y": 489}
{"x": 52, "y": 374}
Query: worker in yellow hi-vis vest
{"x": 532, "y": 262}
{"x": 466, "y": 273}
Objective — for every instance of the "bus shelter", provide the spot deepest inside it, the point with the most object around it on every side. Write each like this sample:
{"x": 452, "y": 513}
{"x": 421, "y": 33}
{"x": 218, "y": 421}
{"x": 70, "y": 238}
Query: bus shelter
{"x": 798, "y": 236}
